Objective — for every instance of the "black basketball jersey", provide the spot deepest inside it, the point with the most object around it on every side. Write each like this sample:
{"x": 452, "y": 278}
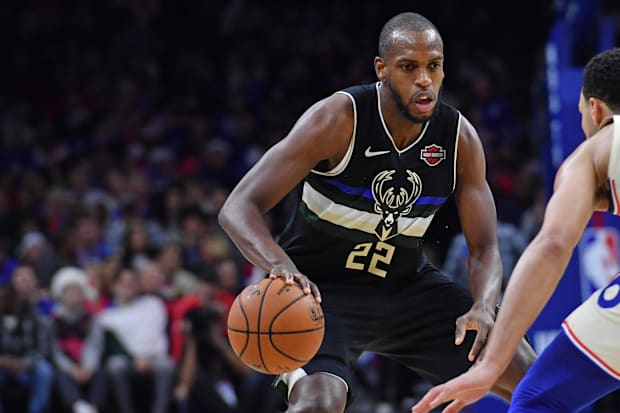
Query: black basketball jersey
{"x": 364, "y": 220}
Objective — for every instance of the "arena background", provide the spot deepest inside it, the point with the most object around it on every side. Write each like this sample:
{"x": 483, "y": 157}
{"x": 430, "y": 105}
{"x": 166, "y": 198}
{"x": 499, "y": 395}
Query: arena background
{"x": 120, "y": 117}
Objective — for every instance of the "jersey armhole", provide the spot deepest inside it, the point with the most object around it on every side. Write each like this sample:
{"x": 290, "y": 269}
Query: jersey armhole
{"x": 613, "y": 168}
{"x": 456, "y": 149}
{"x": 347, "y": 156}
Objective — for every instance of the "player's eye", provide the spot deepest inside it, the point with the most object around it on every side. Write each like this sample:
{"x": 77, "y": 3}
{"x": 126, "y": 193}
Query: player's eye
{"x": 407, "y": 67}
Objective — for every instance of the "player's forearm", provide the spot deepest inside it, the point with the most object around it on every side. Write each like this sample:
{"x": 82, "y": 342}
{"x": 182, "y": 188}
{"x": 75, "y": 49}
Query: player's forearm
{"x": 533, "y": 280}
{"x": 246, "y": 227}
{"x": 485, "y": 278}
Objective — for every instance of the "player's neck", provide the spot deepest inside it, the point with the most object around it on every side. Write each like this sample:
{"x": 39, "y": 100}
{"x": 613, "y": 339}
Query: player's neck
{"x": 403, "y": 130}
{"x": 607, "y": 120}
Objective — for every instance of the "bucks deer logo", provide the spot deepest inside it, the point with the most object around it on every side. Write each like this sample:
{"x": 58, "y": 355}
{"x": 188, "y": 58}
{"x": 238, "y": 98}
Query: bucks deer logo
{"x": 393, "y": 201}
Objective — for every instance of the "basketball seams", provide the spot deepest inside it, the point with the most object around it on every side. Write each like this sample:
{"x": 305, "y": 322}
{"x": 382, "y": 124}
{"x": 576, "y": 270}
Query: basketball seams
{"x": 282, "y": 307}
{"x": 275, "y": 333}
{"x": 271, "y": 333}
{"x": 275, "y": 347}
{"x": 247, "y": 328}
{"x": 286, "y": 307}
{"x": 283, "y": 353}
{"x": 260, "y": 310}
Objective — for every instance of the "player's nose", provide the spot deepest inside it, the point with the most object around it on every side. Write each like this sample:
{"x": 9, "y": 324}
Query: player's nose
{"x": 423, "y": 79}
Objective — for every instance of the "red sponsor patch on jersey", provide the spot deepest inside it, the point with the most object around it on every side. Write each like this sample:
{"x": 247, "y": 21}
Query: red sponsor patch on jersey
{"x": 433, "y": 154}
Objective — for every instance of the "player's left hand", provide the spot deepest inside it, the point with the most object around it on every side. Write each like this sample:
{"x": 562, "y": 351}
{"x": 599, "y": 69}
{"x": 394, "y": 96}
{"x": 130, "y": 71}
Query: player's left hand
{"x": 463, "y": 390}
{"x": 477, "y": 319}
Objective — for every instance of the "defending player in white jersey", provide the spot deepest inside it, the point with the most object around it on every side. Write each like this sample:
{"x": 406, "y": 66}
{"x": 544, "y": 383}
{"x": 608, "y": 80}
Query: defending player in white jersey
{"x": 582, "y": 364}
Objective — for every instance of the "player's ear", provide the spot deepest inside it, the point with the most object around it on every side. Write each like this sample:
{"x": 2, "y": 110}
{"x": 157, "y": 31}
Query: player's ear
{"x": 380, "y": 68}
{"x": 596, "y": 110}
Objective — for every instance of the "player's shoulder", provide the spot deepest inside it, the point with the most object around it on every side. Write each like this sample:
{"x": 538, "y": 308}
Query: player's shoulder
{"x": 470, "y": 151}
{"x": 592, "y": 154}
{"x": 360, "y": 90}
{"x": 354, "y": 95}
{"x": 444, "y": 107}
{"x": 468, "y": 138}
{"x": 599, "y": 148}
{"x": 595, "y": 148}
{"x": 602, "y": 140}
{"x": 334, "y": 110}
{"x": 467, "y": 130}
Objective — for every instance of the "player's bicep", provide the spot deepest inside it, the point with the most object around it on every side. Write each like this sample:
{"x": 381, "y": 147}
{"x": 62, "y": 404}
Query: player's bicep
{"x": 473, "y": 196}
{"x": 477, "y": 215}
{"x": 572, "y": 203}
{"x": 320, "y": 134}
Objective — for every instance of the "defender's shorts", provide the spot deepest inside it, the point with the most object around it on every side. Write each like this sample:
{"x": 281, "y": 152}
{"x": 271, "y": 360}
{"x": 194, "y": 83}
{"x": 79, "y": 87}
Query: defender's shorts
{"x": 581, "y": 364}
{"x": 561, "y": 380}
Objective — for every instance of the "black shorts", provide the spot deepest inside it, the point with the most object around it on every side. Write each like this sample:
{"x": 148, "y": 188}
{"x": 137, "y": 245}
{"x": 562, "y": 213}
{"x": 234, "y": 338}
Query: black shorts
{"x": 410, "y": 320}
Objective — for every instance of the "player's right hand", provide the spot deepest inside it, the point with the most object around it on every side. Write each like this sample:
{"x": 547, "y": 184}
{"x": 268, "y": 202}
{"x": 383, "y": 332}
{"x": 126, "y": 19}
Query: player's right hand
{"x": 463, "y": 390}
{"x": 291, "y": 276}
{"x": 475, "y": 319}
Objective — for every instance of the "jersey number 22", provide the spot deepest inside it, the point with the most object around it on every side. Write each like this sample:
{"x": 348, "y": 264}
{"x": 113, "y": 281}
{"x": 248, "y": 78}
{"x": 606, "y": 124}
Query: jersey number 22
{"x": 367, "y": 256}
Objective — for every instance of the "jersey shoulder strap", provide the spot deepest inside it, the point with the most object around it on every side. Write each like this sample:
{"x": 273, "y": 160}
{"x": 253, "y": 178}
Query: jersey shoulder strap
{"x": 613, "y": 170}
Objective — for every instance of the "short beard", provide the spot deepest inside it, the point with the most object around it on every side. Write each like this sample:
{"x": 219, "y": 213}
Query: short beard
{"x": 402, "y": 107}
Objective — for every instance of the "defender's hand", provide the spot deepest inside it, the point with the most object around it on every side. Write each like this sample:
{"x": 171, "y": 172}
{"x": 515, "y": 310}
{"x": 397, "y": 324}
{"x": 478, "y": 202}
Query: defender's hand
{"x": 475, "y": 319}
{"x": 291, "y": 276}
{"x": 463, "y": 390}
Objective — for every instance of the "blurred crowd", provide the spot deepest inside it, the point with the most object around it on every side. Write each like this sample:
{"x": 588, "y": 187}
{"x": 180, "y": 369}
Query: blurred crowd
{"x": 124, "y": 125}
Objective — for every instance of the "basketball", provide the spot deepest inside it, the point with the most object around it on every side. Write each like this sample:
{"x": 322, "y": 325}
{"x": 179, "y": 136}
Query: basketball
{"x": 275, "y": 328}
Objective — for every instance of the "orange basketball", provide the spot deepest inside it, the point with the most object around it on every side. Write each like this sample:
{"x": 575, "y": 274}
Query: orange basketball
{"x": 274, "y": 327}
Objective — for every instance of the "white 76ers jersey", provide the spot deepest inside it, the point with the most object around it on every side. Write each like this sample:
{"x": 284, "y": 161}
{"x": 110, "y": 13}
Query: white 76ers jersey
{"x": 594, "y": 326}
{"x": 613, "y": 170}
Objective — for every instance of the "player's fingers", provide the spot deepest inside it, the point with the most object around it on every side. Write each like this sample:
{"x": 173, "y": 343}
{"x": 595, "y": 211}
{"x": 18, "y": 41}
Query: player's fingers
{"x": 422, "y": 406}
{"x": 283, "y": 273}
{"x": 289, "y": 278}
{"x": 459, "y": 332}
{"x": 481, "y": 354}
{"x": 278, "y": 272}
{"x": 479, "y": 341}
{"x": 315, "y": 292}
{"x": 431, "y": 399}
{"x": 454, "y": 407}
{"x": 303, "y": 282}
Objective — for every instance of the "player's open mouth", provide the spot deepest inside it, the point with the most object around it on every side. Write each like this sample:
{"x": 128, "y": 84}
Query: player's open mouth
{"x": 424, "y": 101}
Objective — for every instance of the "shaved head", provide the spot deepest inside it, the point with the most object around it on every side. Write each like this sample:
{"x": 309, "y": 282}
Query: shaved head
{"x": 400, "y": 24}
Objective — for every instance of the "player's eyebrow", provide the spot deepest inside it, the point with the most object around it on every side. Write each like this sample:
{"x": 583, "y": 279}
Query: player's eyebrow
{"x": 405, "y": 59}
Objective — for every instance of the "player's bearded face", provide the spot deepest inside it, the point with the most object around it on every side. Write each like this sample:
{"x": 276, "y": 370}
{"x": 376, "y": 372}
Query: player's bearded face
{"x": 404, "y": 105}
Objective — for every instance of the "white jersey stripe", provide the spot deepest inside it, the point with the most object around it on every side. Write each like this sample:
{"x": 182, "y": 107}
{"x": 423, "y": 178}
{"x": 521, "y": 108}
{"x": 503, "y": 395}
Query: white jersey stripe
{"x": 589, "y": 352}
{"x": 613, "y": 187}
{"x": 351, "y": 218}
{"x": 595, "y": 328}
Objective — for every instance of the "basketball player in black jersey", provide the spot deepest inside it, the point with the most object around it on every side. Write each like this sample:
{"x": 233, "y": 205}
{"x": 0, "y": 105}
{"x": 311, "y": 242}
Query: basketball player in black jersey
{"x": 374, "y": 163}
